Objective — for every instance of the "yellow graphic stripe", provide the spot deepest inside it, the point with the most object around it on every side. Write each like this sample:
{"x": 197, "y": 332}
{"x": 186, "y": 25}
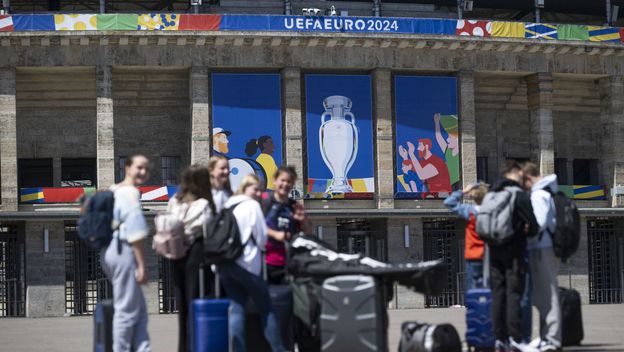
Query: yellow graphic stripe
{"x": 31, "y": 197}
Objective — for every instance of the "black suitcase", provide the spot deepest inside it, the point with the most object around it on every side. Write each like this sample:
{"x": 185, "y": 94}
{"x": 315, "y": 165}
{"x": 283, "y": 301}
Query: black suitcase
{"x": 103, "y": 326}
{"x": 282, "y": 301}
{"x": 571, "y": 317}
{"x": 421, "y": 337}
{"x": 353, "y": 314}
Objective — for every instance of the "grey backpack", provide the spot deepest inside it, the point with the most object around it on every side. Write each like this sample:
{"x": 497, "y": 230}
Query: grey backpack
{"x": 494, "y": 219}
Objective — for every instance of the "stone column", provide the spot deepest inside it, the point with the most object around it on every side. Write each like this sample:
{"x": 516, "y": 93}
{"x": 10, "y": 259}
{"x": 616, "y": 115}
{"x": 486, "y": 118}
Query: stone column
{"x": 199, "y": 85}
{"x": 468, "y": 140}
{"x": 105, "y": 123}
{"x": 8, "y": 141}
{"x": 612, "y": 122}
{"x": 539, "y": 94}
{"x": 293, "y": 122}
{"x": 384, "y": 170}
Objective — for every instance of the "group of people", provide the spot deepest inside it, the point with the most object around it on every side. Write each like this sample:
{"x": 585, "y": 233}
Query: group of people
{"x": 265, "y": 220}
{"x": 524, "y": 269}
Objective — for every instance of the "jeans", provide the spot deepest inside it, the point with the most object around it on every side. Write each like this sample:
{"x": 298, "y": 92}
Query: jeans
{"x": 240, "y": 285}
{"x": 474, "y": 274}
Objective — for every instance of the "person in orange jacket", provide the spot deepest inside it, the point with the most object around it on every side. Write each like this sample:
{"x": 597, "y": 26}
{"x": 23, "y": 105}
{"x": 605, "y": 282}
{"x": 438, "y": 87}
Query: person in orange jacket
{"x": 474, "y": 248}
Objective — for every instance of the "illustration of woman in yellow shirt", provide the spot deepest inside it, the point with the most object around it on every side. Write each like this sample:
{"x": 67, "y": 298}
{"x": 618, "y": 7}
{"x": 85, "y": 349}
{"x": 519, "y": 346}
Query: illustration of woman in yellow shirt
{"x": 266, "y": 147}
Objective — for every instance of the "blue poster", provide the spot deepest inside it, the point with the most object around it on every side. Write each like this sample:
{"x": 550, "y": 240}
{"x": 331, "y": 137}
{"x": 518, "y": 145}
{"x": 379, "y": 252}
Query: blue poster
{"x": 339, "y": 136}
{"x": 247, "y": 124}
{"x": 427, "y": 136}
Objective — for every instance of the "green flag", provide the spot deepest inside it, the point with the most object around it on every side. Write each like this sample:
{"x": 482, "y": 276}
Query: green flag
{"x": 572, "y": 32}
{"x": 114, "y": 22}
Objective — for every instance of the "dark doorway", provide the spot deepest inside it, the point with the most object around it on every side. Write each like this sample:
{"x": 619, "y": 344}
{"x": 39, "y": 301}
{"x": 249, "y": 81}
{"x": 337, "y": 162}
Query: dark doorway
{"x": 35, "y": 173}
{"x": 78, "y": 172}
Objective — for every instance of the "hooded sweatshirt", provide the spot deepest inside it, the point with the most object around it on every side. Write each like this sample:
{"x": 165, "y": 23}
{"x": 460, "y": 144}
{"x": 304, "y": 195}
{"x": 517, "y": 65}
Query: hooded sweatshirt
{"x": 192, "y": 214}
{"x": 544, "y": 210}
{"x": 250, "y": 219}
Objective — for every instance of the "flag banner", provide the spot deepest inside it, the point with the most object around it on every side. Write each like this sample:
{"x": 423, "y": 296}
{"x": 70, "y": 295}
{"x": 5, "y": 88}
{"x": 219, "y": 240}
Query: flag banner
{"x": 508, "y": 29}
{"x": 158, "y": 22}
{"x": 604, "y": 34}
{"x": 75, "y": 22}
{"x": 199, "y": 22}
{"x": 572, "y": 32}
{"x": 6, "y": 23}
{"x": 444, "y": 27}
{"x": 473, "y": 28}
{"x": 120, "y": 22}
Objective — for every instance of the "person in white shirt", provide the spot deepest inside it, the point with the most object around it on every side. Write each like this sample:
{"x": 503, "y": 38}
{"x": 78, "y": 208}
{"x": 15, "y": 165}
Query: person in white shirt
{"x": 243, "y": 279}
{"x": 123, "y": 260}
{"x": 193, "y": 205}
{"x": 219, "y": 169}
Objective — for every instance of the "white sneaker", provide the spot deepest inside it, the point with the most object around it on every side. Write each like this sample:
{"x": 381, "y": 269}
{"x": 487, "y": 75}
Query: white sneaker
{"x": 535, "y": 343}
{"x": 546, "y": 346}
{"x": 521, "y": 346}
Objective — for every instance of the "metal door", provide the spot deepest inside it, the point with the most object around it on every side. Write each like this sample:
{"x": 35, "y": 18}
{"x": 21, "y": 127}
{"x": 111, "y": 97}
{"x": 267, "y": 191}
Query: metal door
{"x": 605, "y": 271}
{"x": 441, "y": 242}
{"x": 85, "y": 282}
{"x": 12, "y": 265}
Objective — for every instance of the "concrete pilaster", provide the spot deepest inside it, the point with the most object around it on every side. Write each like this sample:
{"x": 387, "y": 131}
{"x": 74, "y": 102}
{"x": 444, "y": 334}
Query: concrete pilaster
{"x": 104, "y": 126}
{"x": 8, "y": 141}
{"x": 612, "y": 133}
{"x": 293, "y": 121}
{"x": 45, "y": 271}
{"x": 539, "y": 95}
{"x": 384, "y": 134}
{"x": 467, "y": 123}
{"x": 199, "y": 86}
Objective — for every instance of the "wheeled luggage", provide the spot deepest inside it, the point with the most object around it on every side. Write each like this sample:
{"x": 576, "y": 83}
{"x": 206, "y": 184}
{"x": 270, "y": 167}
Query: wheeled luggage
{"x": 209, "y": 321}
{"x": 103, "y": 326}
{"x": 353, "y": 314}
{"x": 281, "y": 299}
{"x": 479, "y": 329}
{"x": 571, "y": 317}
{"x": 421, "y": 337}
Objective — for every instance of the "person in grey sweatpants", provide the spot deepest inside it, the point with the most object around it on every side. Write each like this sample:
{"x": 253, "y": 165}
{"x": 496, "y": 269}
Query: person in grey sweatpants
{"x": 123, "y": 261}
{"x": 544, "y": 264}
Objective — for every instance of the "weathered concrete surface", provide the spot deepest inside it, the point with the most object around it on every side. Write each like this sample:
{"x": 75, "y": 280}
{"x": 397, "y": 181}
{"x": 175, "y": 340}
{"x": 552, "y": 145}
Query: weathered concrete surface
{"x": 603, "y": 330}
{"x": 105, "y": 127}
{"x": 8, "y": 141}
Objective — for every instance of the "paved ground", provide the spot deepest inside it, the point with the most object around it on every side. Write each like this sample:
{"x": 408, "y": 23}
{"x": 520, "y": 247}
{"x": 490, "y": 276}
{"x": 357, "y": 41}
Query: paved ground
{"x": 604, "y": 330}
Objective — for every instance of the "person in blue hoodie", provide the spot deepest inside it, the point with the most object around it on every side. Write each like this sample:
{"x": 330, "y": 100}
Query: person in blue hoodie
{"x": 543, "y": 263}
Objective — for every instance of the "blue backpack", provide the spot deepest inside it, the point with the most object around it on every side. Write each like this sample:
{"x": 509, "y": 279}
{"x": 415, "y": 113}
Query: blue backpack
{"x": 95, "y": 226}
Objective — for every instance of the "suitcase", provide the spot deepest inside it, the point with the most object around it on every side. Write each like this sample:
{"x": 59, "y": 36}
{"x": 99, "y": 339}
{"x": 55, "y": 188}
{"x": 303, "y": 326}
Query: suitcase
{"x": 353, "y": 314}
{"x": 420, "y": 337}
{"x": 479, "y": 329}
{"x": 103, "y": 326}
{"x": 282, "y": 301}
{"x": 571, "y": 317}
{"x": 209, "y": 321}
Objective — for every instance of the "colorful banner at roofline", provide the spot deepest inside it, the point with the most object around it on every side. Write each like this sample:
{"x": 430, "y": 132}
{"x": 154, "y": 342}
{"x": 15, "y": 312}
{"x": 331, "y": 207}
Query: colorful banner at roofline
{"x": 211, "y": 22}
{"x": 49, "y": 195}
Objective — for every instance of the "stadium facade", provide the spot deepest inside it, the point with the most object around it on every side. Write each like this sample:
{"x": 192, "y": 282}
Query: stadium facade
{"x": 80, "y": 93}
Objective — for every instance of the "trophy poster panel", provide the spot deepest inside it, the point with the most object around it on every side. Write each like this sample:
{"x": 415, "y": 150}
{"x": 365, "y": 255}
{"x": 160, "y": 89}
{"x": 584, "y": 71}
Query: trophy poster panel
{"x": 427, "y": 137}
{"x": 339, "y": 136}
{"x": 247, "y": 124}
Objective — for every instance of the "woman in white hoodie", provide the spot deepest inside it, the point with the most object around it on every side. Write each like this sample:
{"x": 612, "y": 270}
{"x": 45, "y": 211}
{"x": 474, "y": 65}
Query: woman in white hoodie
{"x": 194, "y": 205}
{"x": 243, "y": 280}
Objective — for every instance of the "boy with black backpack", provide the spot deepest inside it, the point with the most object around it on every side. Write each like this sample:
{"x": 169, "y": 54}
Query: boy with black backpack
{"x": 544, "y": 262}
{"x": 504, "y": 222}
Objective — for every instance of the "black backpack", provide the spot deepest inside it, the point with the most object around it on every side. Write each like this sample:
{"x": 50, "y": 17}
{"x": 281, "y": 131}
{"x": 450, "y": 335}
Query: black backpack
{"x": 222, "y": 243}
{"x": 422, "y": 337}
{"x": 95, "y": 225}
{"x": 567, "y": 234}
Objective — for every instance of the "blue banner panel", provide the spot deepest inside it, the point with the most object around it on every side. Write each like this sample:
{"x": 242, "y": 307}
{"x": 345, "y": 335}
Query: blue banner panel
{"x": 33, "y": 23}
{"x": 245, "y": 23}
{"x": 339, "y": 136}
{"x": 427, "y": 136}
{"x": 427, "y": 26}
{"x": 340, "y": 24}
{"x": 247, "y": 124}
